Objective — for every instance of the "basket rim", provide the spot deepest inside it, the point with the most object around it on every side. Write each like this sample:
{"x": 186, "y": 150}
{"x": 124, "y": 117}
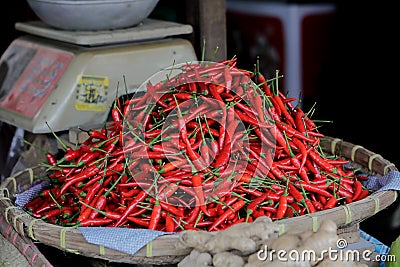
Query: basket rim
{"x": 343, "y": 215}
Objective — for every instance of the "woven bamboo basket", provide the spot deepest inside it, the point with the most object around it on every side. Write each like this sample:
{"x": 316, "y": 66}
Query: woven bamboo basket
{"x": 162, "y": 250}
{"x": 23, "y": 244}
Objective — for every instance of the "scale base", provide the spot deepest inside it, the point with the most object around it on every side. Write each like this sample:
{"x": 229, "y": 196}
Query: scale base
{"x": 65, "y": 85}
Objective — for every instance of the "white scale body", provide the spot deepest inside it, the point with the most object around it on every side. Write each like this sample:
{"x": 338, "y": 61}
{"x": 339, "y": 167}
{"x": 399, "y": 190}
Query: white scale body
{"x": 70, "y": 79}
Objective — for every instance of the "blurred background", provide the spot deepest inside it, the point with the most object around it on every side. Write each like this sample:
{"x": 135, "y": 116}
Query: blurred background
{"x": 337, "y": 57}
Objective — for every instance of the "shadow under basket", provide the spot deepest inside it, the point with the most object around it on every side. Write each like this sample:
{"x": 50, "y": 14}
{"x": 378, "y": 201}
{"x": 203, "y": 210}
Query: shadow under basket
{"x": 162, "y": 250}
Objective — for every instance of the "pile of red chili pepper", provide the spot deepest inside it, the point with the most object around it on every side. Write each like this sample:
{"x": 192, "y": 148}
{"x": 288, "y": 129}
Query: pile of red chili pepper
{"x": 206, "y": 149}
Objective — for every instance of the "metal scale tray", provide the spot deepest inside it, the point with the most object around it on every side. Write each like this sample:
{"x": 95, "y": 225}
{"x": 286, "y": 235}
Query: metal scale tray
{"x": 149, "y": 29}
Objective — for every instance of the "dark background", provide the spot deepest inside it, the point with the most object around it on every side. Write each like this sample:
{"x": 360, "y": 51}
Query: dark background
{"x": 357, "y": 88}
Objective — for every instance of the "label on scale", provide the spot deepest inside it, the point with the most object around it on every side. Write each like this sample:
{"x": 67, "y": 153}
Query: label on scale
{"x": 91, "y": 93}
{"x": 31, "y": 73}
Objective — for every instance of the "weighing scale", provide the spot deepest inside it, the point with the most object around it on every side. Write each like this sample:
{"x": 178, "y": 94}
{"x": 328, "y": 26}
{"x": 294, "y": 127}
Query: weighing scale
{"x": 70, "y": 79}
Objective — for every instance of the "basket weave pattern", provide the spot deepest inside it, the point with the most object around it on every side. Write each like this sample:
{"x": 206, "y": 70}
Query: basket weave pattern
{"x": 162, "y": 249}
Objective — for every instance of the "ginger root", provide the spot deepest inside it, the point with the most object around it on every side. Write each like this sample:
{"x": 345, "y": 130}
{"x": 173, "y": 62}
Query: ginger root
{"x": 196, "y": 259}
{"x": 194, "y": 239}
{"x": 257, "y": 244}
{"x": 227, "y": 259}
{"x": 243, "y": 237}
{"x": 228, "y": 247}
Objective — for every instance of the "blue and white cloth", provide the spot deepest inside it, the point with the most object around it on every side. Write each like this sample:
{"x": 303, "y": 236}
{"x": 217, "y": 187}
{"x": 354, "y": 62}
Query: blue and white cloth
{"x": 24, "y": 197}
{"x": 391, "y": 181}
{"x": 121, "y": 239}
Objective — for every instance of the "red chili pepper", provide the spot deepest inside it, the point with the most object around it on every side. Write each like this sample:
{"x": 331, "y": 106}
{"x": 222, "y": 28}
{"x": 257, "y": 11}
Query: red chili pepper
{"x": 97, "y": 134}
{"x": 318, "y": 205}
{"x": 183, "y": 95}
{"x": 275, "y": 197}
{"x": 51, "y": 159}
{"x": 225, "y": 203}
{"x": 261, "y": 79}
{"x": 194, "y": 213}
{"x": 109, "y": 148}
{"x": 87, "y": 173}
{"x": 221, "y": 219}
{"x": 269, "y": 209}
{"x": 85, "y": 211}
{"x": 246, "y": 109}
{"x": 139, "y": 221}
{"x": 228, "y": 80}
{"x": 214, "y": 148}
{"x": 337, "y": 161}
{"x": 48, "y": 204}
{"x": 301, "y": 170}
{"x": 139, "y": 198}
{"x": 263, "y": 136}
{"x": 276, "y": 171}
{"x": 245, "y": 118}
{"x": 258, "y": 213}
{"x": 310, "y": 206}
{"x": 169, "y": 224}
{"x": 254, "y": 203}
{"x": 358, "y": 189}
{"x": 205, "y": 154}
{"x": 197, "y": 182}
{"x": 322, "y": 199}
{"x": 155, "y": 216}
{"x": 116, "y": 114}
{"x": 254, "y": 192}
{"x": 282, "y": 107}
{"x": 310, "y": 125}
{"x": 224, "y": 154}
{"x": 340, "y": 190}
{"x": 169, "y": 190}
{"x": 46, "y": 193}
{"x": 244, "y": 177}
{"x": 168, "y": 207}
{"x": 298, "y": 120}
{"x": 257, "y": 102}
{"x": 194, "y": 157}
{"x": 290, "y": 211}
{"x": 280, "y": 139}
{"x": 100, "y": 205}
{"x": 50, "y": 214}
{"x": 71, "y": 155}
{"x": 68, "y": 211}
{"x": 170, "y": 166}
{"x": 261, "y": 163}
{"x": 34, "y": 203}
{"x": 331, "y": 203}
{"x": 303, "y": 151}
{"x": 95, "y": 222}
{"x": 295, "y": 193}
{"x": 313, "y": 188}
{"x": 293, "y": 132}
{"x": 222, "y": 135}
{"x": 212, "y": 88}
{"x": 363, "y": 194}
{"x": 87, "y": 158}
{"x": 324, "y": 164}
{"x": 92, "y": 192}
{"x": 281, "y": 207}
{"x": 200, "y": 109}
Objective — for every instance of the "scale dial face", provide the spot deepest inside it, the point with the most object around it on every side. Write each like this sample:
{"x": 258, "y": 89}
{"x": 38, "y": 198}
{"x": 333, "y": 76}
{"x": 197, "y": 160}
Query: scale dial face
{"x": 28, "y": 74}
